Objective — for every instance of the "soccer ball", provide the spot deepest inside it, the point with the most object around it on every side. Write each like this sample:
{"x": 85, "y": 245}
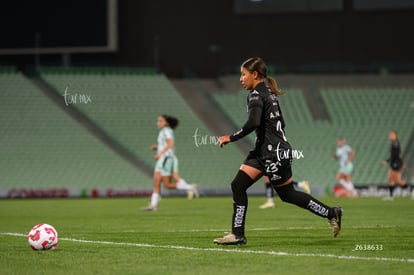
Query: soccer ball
{"x": 43, "y": 237}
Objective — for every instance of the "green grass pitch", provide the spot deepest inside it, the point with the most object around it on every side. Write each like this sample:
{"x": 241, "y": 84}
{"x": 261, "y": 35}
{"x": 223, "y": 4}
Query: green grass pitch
{"x": 112, "y": 236}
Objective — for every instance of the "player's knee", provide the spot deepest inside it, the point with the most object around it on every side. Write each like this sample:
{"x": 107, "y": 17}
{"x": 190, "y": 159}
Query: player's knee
{"x": 241, "y": 183}
{"x": 237, "y": 187}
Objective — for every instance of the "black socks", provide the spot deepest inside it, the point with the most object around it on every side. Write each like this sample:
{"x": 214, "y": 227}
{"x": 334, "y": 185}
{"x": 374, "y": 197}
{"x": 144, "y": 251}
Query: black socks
{"x": 239, "y": 186}
{"x": 288, "y": 194}
{"x": 391, "y": 188}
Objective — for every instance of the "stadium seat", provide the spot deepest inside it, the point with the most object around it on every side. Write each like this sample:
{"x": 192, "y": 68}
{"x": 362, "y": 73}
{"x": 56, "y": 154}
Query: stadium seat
{"x": 126, "y": 106}
{"x": 361, "y": 115}
{"x": 43, "y": 147}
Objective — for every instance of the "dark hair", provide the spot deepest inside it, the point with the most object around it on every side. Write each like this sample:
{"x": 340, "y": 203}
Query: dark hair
{"x": 257, "y": 64}
{"x": 172, "y": 121}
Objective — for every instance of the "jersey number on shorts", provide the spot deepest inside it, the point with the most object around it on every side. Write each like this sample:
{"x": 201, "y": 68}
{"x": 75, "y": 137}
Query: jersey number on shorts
{"x": 271, "y": 167}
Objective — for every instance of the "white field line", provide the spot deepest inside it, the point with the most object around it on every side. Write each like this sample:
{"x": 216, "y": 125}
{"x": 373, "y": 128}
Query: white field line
{"x": 266, "y": 229}
{"x": 236, "y": 250}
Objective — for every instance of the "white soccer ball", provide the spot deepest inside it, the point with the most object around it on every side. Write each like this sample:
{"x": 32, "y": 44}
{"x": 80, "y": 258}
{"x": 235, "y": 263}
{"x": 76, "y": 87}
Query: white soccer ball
{"x": 43, "y": 237}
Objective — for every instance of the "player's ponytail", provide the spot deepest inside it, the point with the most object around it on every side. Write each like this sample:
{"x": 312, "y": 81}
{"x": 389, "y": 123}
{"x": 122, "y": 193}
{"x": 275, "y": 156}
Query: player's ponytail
{"x": 172, "y": 121}
{"x": 257, "y": 64}
{"x": 271, "y": 82}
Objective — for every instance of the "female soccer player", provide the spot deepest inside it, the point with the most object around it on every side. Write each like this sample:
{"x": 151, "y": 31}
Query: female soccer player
{"x": 396, "y": 164}
{"x": 344, "y": 155}
{"x": 271, "y": 156}
{"x": 167, "y": 163}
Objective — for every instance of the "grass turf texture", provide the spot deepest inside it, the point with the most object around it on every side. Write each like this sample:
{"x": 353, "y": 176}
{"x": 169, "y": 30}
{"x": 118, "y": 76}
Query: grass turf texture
{"x": 108, "y": 236}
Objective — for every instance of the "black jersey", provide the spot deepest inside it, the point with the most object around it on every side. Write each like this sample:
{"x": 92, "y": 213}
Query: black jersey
{"x": 395, "y": 151}
{"x": 265, "y": 116}
{"x": 395, "y": 160}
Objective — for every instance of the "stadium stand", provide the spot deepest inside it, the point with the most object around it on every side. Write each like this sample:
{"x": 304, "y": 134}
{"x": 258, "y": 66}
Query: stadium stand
{"x": 43, "y": 147}
{"x": 362, "y": 115}
{"x": 365, "y": 115}
{"x": 126, "y": 105}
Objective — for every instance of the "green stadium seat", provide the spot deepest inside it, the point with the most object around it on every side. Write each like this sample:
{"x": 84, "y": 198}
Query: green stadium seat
{"x": 361, "y": 115}
{"x": 43, "y": 147}
{"x": 126, "y": 106}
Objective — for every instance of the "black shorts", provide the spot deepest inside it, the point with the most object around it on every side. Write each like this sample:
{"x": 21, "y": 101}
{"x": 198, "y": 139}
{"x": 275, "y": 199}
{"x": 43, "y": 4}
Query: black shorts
{"x": 396, "y": 165}
{"x": 277, "y": 168}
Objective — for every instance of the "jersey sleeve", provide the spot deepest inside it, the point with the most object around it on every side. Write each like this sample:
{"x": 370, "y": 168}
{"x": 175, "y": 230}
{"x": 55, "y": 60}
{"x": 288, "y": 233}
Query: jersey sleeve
{"x": 168, "y": 133}
{"x": 255, "y": 108}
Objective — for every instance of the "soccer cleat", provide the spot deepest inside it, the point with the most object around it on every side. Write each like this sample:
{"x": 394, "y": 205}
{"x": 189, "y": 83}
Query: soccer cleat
{"x": 149, "y": 208}
{"x": 193, "y": 192}
{"x": 231, "y": 239}
{"x": 268, "y": 204}
{"x": 305, "y": 186}
{"x": 335, "y": 221}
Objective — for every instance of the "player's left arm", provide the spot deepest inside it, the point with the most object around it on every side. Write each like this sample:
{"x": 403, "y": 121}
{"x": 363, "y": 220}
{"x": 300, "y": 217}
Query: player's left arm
{"x": 255, "y": 115}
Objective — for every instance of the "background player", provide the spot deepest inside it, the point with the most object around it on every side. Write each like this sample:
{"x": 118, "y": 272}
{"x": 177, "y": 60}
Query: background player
{"x": 344, "y": 155}
{"x": 396, "y": 165}
{"x": 166, "y": 161}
